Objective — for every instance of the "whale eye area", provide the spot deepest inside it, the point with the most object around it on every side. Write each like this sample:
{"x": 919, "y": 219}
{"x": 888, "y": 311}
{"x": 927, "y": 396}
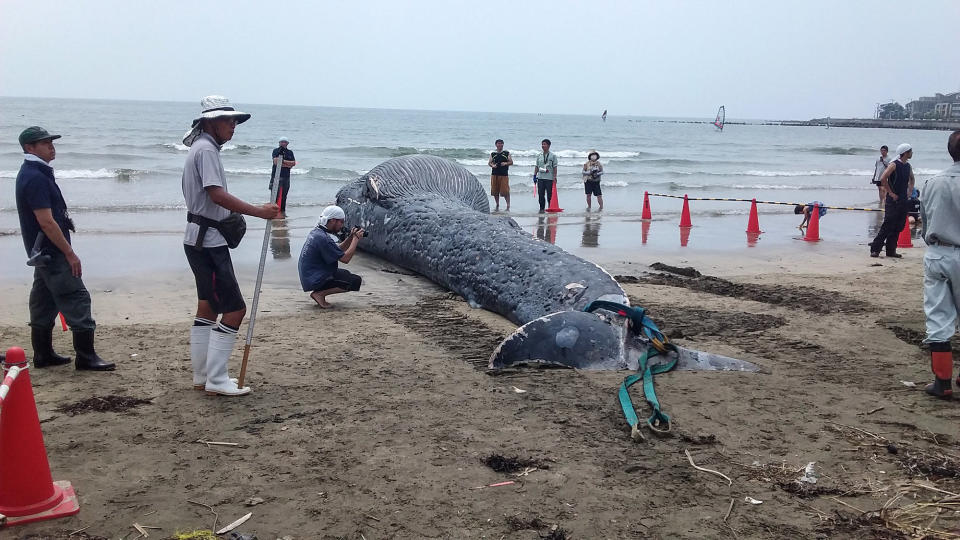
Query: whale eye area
{"x": 567, "y": 337}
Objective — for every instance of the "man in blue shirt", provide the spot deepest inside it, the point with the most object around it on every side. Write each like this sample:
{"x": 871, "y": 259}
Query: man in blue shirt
{"x": 57, "y": 285}
{"x": 320, "y": 254}
{"x": 289, "y": 161}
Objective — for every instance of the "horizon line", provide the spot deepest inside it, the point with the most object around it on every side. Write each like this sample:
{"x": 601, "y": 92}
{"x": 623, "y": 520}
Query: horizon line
{"x": 731, "y": 121}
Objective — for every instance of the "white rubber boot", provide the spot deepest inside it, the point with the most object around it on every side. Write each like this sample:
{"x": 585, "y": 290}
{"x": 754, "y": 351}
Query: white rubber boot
{"x": 218, "y": 355}
{"x": 199, "y": 342}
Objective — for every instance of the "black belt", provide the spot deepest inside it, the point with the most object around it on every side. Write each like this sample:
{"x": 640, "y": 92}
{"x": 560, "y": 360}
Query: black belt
{"x": 204, "y": 223}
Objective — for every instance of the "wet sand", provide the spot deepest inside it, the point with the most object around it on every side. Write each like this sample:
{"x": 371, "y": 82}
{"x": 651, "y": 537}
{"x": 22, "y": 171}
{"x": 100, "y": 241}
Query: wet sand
{"x": 373, "y": 420}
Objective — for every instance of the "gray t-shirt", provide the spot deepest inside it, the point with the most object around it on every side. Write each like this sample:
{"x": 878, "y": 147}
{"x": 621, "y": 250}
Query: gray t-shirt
{"x": 203, "y": 169}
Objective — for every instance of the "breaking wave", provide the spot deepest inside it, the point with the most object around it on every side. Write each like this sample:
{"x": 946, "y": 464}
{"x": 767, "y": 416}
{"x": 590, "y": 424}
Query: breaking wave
{"x": 85, "y": 173}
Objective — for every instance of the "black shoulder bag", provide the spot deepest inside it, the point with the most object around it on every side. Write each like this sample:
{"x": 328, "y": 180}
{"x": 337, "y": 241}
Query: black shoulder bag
{"x": 233, "y": 227}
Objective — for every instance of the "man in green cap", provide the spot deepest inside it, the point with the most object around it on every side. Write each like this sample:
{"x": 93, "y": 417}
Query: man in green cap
{"x": 45, "y": 226}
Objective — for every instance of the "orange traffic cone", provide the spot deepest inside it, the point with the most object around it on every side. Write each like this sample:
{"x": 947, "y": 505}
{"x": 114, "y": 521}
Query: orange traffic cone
{"x": 905, "y": 240}
{"x": 27, "y": 491}
{"x": 646, "y": 214}
{"x": 63, "y": 322}
{"x": 685, "y": 215}
{"x": 813, "y": 228}
{"x": 753, "y": 223}
{"x": 554, "y": 200}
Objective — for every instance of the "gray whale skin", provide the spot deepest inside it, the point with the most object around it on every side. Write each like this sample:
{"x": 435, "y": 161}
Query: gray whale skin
{"x": 432, "y": 216}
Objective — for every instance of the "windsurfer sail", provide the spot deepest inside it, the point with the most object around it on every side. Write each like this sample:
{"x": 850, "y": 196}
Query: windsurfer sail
{"x": 721, "y": 118}
{"x": 604, "y": 115}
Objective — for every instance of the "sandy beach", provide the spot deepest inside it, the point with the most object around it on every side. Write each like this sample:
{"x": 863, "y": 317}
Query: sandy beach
{"x": 377, "y": 419}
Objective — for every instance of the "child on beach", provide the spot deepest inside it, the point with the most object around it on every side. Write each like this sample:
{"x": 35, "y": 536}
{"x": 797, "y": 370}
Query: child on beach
{"x": 592, "y": 171}
{"x": 807, "y": 210}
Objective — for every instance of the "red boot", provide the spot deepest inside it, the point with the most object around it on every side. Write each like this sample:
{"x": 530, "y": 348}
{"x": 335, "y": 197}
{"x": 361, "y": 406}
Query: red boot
{"x": 941, "y": 361}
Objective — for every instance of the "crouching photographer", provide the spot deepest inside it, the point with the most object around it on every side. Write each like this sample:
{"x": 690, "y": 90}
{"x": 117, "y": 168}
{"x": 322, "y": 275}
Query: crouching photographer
{"x": 326, "y": 245}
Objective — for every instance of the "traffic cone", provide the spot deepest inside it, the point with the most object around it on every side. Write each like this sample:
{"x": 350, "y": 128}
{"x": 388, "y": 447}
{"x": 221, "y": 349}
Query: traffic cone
{"x": 685, "y": 215}
{"x": 753, "y": 223}
{"x": 554, "y": 201}
{"x": 279, "y": 195}
{"x": 63, "y": 322}
{"x": 644, "y": 232}
{"x": 813, "y": 228}
{"x": 646, "y": 214}
{"x": 905, "y": 240}
{"x": 27, "y": 491}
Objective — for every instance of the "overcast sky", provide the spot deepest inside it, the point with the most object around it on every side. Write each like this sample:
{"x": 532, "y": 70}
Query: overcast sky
{"x": 762, "y": 59}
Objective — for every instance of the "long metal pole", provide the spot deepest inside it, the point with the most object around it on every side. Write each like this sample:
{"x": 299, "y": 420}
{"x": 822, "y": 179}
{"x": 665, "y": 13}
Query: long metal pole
{"x": 275, "y": 185}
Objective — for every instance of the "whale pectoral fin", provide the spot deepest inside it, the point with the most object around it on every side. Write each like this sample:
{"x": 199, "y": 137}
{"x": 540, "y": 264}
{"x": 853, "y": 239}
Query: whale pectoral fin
{"x": 568, "y": 338}
{"x": 693, "y": 360}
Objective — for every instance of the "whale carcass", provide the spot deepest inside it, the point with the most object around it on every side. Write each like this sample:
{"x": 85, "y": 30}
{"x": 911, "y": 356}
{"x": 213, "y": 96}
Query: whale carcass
{"x": 432, "y": 216}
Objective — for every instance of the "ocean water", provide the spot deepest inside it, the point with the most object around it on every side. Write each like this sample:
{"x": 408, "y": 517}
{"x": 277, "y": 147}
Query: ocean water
{"x": 119, "y": 162}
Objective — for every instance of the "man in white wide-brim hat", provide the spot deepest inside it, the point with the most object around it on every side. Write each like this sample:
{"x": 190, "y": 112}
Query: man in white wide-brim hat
{"x": 209, "y": 203}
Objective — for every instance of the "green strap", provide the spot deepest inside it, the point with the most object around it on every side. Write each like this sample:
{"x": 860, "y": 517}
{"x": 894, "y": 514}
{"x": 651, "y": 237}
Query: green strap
{"x": 641, "y": 324}
{"x": 659, "y": 421}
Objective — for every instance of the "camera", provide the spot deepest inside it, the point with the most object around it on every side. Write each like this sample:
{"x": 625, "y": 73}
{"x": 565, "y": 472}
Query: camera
{"x": 344, "y": 233}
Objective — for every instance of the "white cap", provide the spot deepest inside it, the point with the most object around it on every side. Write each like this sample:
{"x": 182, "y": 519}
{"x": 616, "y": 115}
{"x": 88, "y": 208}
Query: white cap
{"x": 331, "y": 212}
{"x": 284, "y": 139}
{"x": 903, "y": 149}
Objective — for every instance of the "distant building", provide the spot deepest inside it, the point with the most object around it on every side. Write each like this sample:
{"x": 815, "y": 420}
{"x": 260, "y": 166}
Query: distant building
{"x": 938, "y": 107}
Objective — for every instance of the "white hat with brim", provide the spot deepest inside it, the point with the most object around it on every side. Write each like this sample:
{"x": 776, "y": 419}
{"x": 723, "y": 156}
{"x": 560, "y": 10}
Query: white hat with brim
{"x": 213, "y": 107}
{"x": 903, "y": 149}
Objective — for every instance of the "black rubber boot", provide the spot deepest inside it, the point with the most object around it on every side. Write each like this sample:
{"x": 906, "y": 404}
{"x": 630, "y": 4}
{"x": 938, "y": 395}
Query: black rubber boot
{"x": 940, "y": 388}
{"x": 86, "y": 356}
{"x": 43, "y": 354}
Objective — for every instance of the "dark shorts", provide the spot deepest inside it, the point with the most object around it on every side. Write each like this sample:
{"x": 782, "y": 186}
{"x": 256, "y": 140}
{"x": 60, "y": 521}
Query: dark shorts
{"x": 341, "y": 279}
{"x": 592, "y": 188}
{"x": 216, "y": 282}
